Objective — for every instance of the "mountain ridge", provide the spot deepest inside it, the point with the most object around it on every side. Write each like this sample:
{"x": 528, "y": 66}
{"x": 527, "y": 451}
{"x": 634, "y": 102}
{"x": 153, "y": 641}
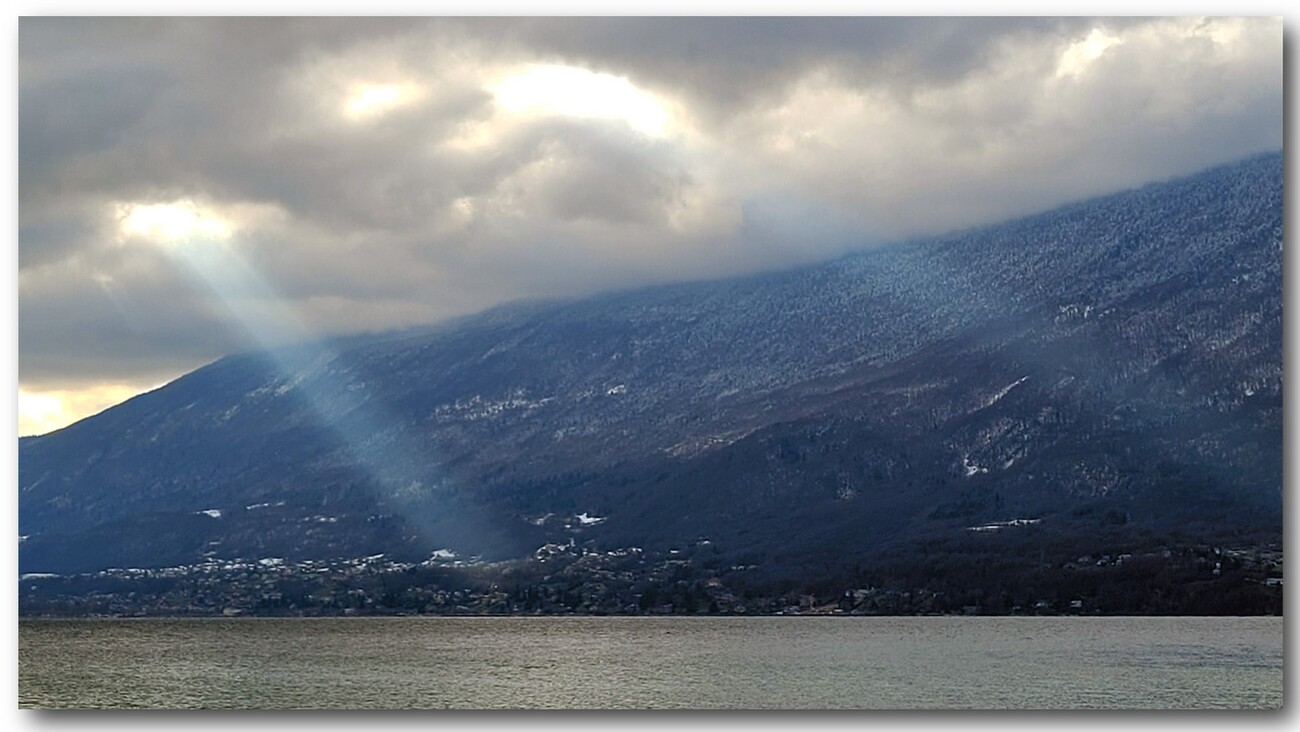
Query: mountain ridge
{"x": 1117, "y": 354}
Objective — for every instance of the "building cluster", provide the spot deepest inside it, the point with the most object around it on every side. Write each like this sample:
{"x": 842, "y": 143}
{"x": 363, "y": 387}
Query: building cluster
{"x": 572, "y": 579}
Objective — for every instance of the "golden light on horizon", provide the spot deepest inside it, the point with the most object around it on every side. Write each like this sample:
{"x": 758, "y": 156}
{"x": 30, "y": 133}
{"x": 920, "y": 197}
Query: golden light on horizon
{"x": 43, "y": 411}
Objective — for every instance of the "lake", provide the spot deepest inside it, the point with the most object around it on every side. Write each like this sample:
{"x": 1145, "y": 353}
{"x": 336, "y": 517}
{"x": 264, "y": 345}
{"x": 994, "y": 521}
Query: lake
{"x": 652, "y": 662}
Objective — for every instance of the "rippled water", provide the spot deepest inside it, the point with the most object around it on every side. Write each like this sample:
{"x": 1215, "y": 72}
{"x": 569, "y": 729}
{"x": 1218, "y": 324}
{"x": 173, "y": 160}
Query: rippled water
{"x": 698, "y": 663}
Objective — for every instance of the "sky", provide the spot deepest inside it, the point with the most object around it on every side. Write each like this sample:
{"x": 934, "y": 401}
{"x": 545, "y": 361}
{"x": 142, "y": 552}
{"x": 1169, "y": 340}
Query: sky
{"x": 193, "y": 187}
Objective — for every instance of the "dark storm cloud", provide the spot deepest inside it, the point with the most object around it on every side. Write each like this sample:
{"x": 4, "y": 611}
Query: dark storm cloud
{"x": 52, "y": 239}
{"x": 372, "y": 175}
{"x": 599, "y": 174}
{"x": 730, "y": 63}
{"x": 66, "y": 118}
{"x": 137, "y": 326}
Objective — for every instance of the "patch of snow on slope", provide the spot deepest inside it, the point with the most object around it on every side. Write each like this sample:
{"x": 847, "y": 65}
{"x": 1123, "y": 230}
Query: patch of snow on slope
{"x": 1005, "y": 390}
{"x": 971, "y": 468}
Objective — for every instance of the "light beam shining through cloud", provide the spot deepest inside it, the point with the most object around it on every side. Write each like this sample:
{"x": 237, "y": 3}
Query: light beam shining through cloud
{"x": 308, "y": 368}
{"x": 546, "y": 89}
{"x": 174, "y": 222}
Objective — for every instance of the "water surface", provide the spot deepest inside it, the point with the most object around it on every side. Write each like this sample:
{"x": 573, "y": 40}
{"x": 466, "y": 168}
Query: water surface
{"x": 647, "y": 662}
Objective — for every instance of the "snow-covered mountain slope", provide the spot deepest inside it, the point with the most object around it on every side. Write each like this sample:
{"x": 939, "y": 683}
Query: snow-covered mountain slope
{"x": 1118, "y": 355}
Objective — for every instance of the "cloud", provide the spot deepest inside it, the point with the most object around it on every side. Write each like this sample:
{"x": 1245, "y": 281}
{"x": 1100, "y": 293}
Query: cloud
{"x": 380, "y": 173}
{"x": 726, "y": 65}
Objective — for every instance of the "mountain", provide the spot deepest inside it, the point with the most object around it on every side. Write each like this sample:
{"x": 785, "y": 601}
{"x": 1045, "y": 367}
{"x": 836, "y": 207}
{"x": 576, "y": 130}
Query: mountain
{"x": 1109, "y": 371}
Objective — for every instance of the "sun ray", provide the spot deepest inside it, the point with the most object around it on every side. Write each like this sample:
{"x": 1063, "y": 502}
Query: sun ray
{"x": 308, "y": 368}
